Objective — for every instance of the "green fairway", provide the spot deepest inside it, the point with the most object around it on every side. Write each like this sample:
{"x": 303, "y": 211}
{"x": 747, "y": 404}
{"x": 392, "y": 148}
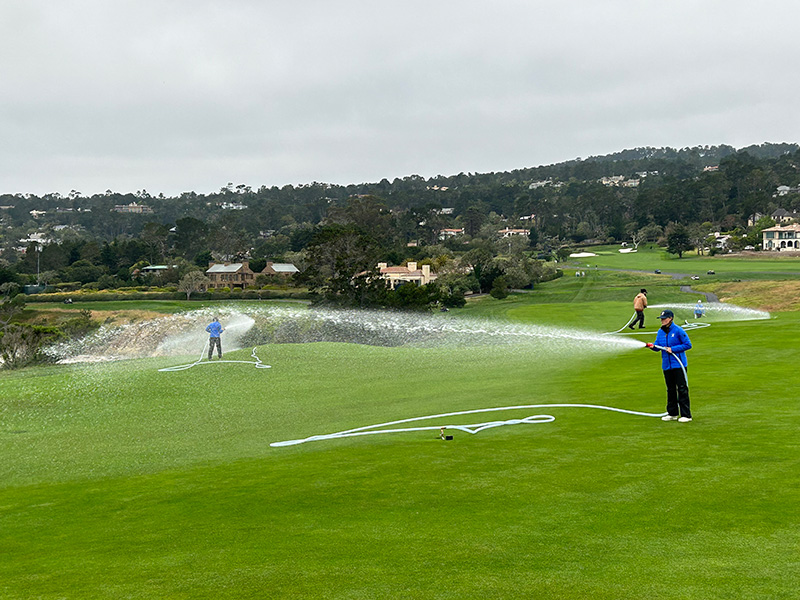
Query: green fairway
{"x": 119, "y": 481}
{"x": 650, "y": 258}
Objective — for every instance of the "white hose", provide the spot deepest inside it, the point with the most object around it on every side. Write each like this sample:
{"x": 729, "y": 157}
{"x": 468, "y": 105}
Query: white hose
{"x": 633, "y": 316}
{"x": 680, "y": 362}
{"x": 257, "y": 363}
{"x": 473, "y": 428}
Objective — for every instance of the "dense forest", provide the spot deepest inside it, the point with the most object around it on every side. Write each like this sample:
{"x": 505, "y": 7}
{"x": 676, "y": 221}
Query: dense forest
{"x": 102, "y": 241}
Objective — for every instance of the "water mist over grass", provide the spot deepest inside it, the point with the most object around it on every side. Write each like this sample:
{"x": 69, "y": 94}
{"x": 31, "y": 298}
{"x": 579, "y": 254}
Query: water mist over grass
{"x": 184, "y": 333}
{"x": 715, "y": 311}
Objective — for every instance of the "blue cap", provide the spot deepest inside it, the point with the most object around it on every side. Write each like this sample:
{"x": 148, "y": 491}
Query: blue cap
{"x": 666, "y": 314}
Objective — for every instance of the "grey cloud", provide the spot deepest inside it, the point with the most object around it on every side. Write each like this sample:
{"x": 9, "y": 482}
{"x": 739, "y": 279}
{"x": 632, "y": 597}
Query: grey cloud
{"x": 180, "y": 95}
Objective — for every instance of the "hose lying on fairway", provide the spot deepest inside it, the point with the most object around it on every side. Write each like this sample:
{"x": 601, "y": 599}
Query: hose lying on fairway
{"x": 473, "y": 428}
{"x": 633, "y": 316}
{"x": 257, "y": 362}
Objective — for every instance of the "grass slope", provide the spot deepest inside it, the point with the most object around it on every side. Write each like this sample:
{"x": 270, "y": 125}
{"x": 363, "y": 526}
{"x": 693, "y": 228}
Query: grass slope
{"x": 650, "y": 258}
{"x": 122, "y": 482}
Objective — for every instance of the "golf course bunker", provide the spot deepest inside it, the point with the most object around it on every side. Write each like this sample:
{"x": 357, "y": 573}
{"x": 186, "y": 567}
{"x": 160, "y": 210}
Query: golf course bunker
{"x": 184, "y": 334}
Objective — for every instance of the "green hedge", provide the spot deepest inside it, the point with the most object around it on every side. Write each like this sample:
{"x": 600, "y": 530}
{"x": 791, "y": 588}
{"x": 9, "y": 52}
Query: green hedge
{"x": 551, "y": 276}
{"x": 117, "y": 295}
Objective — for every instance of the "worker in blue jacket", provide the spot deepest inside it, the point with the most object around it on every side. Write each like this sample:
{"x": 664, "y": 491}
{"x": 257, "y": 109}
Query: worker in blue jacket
{"x": 214, "y": 330}
{"x": 673, "y": 343}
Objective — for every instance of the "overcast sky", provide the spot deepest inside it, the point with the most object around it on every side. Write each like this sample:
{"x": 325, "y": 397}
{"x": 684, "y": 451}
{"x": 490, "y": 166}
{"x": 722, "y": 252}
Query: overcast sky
{"x": 178, "y": 95}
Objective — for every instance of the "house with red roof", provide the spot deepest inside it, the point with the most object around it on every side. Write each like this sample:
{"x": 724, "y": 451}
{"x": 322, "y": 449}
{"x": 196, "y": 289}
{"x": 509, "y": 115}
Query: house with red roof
{"x": 408, "y": 274}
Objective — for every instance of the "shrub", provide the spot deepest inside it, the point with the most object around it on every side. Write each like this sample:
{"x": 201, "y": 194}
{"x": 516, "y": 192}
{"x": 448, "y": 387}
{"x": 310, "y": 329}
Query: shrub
{"x": 499, "y": 288}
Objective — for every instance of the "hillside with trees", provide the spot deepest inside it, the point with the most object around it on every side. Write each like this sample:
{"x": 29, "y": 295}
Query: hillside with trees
{"x": 453, "y": 223}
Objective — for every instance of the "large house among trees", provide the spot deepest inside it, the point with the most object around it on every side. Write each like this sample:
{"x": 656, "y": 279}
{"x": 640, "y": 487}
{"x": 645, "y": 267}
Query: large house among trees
{"x": 782, "y": 238}
{"x": 784, "y": 216}
{"x": 239, "y": 275}
{"x": 230, "y": 275}
{"x": 408, "y": 274}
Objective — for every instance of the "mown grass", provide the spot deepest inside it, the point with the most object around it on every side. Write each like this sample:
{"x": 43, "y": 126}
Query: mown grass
{"x": 118, "y": 481}
{"x": 650, "y": 257}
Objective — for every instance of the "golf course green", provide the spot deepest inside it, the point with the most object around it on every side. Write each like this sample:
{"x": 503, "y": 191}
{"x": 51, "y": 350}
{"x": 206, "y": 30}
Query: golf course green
{"x": 120, "y": 481}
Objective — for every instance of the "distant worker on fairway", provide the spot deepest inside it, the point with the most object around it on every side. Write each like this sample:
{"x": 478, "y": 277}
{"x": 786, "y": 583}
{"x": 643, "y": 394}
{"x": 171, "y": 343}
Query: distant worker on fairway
{"x": 214, "y": 330}
{"x": 698, "y": 310}
{"x": 639, "y": 304}
{"x": 673, "y": 343}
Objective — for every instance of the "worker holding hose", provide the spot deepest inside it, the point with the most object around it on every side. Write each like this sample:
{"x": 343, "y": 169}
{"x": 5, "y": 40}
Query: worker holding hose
{"x": 639, "y": 304}
{"x": 214, "y": 331}
{"x": 673, "y": 343}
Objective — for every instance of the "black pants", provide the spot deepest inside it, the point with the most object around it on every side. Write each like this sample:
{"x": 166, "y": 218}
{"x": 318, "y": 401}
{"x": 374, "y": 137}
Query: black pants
{"x": 214, "y": 341}
{"x": 639, "y": 318}
{"x": 677, "y": 393}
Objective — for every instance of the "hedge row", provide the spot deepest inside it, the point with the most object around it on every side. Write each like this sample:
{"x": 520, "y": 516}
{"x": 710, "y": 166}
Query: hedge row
{"x": 551, "y": 276}
{"x": 116, "y": 296}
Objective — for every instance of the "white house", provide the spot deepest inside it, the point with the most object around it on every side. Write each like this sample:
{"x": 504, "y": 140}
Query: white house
{"x": 721, "y": 240}
{"x": 508, "y": 232}
{"x": 535, "y": 185}
{"x": 157, "y": 269}
{"x": 133, "y": 208}
{"x": 782, "y": 238}
{"x": 785, "y": 190}
{"x": 448, "y": 233}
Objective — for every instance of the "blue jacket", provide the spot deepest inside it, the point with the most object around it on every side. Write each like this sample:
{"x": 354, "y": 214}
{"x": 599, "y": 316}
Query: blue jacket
{"x": 214, "y": 329}
{"x": 676, "y": 339}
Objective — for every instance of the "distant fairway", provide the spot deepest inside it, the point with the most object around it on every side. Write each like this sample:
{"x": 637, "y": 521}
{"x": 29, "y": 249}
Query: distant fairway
{"x": 118, "y": 481}
{"x": 650, "y": 258}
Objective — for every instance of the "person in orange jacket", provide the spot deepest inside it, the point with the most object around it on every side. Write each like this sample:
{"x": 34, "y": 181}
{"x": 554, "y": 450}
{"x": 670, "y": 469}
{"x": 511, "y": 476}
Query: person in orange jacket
{"x": 639, "y": 304}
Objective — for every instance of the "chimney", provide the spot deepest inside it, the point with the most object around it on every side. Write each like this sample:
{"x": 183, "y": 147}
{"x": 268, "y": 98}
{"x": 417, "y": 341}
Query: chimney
{"x": 426, "y": 271}
{"x": 381, "y": 266}
{"x": 412, "y": 266}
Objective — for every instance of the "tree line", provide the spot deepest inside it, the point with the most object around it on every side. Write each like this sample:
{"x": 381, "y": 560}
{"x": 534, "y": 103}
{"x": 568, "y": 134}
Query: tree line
{"x": 333, "y": 232}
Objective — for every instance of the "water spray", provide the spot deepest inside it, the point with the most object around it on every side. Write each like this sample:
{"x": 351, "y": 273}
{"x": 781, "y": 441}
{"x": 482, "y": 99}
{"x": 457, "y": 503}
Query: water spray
{"x": 259, "y": 326}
